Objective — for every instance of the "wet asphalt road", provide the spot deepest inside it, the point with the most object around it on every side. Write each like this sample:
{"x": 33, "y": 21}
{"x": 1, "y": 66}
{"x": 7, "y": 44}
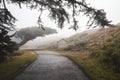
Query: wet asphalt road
{"x": 52, "y": 67}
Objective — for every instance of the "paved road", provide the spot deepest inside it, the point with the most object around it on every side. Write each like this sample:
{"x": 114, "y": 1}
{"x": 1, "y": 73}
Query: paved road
{"x": 52, "y": 67}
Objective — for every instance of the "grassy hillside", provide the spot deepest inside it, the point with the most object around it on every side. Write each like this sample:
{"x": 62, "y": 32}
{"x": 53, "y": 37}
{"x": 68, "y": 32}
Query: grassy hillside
{"x": 92, "y": 38}
{"x": 98, "y": 53}
{"x": 79, "y": 40}
{"x": 12, "y": 67}
{"x": 106, "y": 48}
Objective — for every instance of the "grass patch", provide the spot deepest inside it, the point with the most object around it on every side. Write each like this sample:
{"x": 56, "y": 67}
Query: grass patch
{"x": 91, "y": 66}
{"x": 12, "y": 67}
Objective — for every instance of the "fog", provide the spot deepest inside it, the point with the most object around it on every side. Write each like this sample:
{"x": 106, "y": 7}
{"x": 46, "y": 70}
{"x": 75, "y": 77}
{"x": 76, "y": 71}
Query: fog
{"x": 28, "y": 18}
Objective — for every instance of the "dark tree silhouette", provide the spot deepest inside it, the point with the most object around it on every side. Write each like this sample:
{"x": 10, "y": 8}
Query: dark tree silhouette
{"x": 58, "y": 11}
{"x": 6, "y": 24}
{"x": 31, "y": 33}
{"x": 6, "y": 45}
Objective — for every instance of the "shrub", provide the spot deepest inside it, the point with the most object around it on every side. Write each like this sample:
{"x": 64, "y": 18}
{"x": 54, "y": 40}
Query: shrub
{"x": 74, "y": 44}
{"x": 108, "y": 54}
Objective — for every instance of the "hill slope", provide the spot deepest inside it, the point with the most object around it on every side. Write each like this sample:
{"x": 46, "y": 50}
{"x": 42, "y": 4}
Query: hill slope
{"x": 103, "y": 45}
{"x": 97, "y": 53}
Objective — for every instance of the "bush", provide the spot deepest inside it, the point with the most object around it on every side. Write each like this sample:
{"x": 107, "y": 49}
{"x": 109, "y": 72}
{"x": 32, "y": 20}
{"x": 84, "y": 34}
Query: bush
{"x": 74, "y": 44}
{"x": 108, "y": 54}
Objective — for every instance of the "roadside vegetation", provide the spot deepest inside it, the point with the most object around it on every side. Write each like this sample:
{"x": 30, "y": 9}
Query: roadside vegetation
{"x": 15, "y": 65}
{"x": 101, "y": 58}
{"x": 93, "y": 69}
{"x": 80, "y": 43}
{"x": 107, "y": 51}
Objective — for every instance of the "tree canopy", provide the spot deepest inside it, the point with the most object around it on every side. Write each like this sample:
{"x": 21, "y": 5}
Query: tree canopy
{"x": 30, "y": 33}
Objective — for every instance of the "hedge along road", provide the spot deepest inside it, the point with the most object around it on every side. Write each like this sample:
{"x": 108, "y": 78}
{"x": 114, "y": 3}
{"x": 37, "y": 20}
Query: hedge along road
{"x": 52, "y": 67}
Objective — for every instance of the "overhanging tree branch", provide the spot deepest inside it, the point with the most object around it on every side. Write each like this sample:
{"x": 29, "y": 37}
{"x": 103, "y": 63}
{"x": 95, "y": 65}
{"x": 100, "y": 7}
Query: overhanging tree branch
{"x": 58, "y": 12}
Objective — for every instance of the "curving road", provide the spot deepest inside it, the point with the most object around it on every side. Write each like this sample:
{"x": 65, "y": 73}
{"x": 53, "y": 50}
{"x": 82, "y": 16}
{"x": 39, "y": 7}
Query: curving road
{"x": 52, "y": 67}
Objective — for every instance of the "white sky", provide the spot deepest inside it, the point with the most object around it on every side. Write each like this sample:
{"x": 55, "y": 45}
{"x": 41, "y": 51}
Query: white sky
{"x": 28, "y": 18}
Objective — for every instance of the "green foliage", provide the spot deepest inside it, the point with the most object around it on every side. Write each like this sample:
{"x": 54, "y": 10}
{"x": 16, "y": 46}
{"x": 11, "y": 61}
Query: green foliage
{"x": 79, "y": 43}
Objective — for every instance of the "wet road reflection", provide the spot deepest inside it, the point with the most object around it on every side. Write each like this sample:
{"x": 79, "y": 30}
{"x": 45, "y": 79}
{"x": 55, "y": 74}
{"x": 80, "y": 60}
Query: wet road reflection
{"x": 52, "y": 67}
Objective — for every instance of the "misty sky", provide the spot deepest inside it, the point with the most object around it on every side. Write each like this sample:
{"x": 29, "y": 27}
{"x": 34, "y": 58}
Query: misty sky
{"x": 28, "y": 18}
